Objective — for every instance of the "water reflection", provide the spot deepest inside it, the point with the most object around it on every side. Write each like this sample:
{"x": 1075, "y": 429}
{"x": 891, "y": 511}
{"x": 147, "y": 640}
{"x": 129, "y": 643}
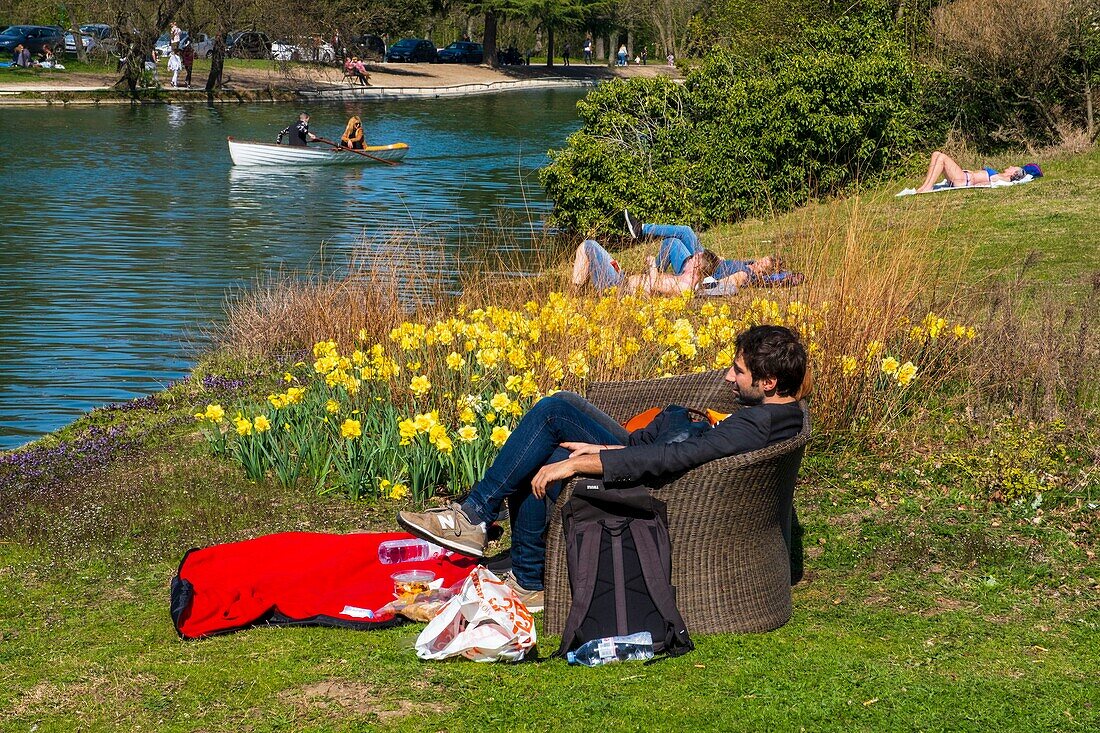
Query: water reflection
{"x": 135, "y": 223}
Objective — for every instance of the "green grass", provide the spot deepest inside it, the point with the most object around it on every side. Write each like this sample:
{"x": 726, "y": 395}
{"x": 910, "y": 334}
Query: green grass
{"x": 926, "y": 605}
{"x": 1055, "y": 217}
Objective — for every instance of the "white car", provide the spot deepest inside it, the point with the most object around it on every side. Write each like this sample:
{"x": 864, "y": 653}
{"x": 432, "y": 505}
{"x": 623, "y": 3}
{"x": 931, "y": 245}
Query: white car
{"x": 203, "y": 44}
{"x": 304, "y": 50}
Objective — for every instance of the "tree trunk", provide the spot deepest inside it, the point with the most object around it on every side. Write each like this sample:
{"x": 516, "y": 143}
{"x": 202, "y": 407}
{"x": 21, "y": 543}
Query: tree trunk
{"x": 612, "y": 49}
{"x": 630, "y": 46}
{"x": 1089, "y": 118}
{"x": 549, "y": 46}
{"x": 78, "y": 39}
{"x": 489, "y": 40}
{"x": 597, "y": 50}
{"x": 217, "y": 62}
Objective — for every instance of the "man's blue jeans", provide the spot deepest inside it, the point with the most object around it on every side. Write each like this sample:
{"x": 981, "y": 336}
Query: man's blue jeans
{"x": 680, "y": 242}
{"x": 564, "y": 417}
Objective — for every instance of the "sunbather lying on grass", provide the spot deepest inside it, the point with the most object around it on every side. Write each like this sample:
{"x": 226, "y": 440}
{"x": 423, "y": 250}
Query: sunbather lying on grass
{"x": 943, "y": 165}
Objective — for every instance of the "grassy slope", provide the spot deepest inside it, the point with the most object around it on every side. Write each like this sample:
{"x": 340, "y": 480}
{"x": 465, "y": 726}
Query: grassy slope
{"x": 1055, "y": 216}
{"x": 922, "y": 609}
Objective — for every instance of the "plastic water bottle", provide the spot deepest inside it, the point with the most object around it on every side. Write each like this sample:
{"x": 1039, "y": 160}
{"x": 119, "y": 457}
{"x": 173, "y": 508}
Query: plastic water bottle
{"x": 392, "y": 552}
{"x": 612, "y": 649}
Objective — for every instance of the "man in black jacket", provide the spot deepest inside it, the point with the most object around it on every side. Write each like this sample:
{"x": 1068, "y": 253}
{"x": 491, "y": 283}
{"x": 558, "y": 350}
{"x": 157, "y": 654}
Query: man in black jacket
{"x": 298, "y": 134}
{"x": 564, "y": 436}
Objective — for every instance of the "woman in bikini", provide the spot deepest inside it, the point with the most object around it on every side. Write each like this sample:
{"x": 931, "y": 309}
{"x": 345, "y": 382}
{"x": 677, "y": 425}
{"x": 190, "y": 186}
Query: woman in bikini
{"x": 957, "y": 177}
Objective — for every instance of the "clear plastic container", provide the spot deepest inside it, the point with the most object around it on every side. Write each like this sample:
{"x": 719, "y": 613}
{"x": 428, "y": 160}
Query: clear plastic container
{"x": 410, "y": 583}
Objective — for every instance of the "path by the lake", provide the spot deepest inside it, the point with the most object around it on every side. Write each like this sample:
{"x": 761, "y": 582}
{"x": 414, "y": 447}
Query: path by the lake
{"x": 294, "y": 78}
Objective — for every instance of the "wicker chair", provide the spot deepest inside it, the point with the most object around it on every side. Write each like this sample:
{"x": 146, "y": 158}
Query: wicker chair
{"x": 730, "y": 562}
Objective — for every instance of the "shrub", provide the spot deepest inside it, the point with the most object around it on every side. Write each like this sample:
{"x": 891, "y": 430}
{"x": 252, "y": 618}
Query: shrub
{"x": 1020, "y": 71}
{"x": 743, "y": 137}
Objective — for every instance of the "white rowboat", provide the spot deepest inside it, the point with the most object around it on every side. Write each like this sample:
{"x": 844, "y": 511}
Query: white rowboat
{"x": 251, "y": 153}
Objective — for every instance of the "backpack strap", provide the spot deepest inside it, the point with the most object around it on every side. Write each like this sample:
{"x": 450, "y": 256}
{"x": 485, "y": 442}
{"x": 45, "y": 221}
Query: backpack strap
{"x": 583, "y": 585}
{"x": 660, "y": 588}
{"x": 620, "y": 582}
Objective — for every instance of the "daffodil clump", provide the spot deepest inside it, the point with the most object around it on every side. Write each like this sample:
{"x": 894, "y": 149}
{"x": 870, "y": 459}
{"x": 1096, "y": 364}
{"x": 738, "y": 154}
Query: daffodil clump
{"x": 429, "y": 406}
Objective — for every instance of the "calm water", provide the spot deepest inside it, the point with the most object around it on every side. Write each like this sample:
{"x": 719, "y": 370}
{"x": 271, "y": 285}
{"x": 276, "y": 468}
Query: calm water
{"x": 121, "y": 229}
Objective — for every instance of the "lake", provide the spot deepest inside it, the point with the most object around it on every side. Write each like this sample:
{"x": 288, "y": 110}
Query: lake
{"x": 122, "y": 228}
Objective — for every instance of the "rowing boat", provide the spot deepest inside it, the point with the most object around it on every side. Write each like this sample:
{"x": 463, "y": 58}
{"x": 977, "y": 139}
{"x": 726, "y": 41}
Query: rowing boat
{"x": 253, "y": 153}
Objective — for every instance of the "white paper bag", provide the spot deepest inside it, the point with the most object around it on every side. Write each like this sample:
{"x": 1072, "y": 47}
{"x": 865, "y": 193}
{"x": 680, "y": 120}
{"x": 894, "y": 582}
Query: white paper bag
{"x": 485, "y": 622}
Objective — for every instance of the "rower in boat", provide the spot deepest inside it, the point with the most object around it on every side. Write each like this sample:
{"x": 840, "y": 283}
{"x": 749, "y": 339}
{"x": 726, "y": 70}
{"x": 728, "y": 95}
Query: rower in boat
{"x": 298, "y": 134}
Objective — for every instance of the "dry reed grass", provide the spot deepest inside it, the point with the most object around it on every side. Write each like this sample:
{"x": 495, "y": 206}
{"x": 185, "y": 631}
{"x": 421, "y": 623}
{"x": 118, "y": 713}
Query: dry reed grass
{"x": 865, "y": 286}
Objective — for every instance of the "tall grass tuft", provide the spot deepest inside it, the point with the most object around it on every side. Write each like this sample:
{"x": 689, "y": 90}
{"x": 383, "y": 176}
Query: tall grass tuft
{"x": 434, "y": 379}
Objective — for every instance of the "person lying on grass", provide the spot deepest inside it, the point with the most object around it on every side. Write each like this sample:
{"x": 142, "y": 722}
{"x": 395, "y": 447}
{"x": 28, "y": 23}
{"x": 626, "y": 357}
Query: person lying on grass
{"x": 943, "y": 165}
{"x": 679, "y": 243}
{"x": 564, "y": 435}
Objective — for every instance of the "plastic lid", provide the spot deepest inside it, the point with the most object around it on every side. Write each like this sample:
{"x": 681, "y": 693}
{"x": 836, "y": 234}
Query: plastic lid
{"x": 413, "y": 576}
{"x": 570, "y": 657}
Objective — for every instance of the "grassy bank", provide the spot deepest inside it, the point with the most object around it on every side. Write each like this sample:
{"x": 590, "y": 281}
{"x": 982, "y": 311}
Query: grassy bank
{"x": 952, "y": 576}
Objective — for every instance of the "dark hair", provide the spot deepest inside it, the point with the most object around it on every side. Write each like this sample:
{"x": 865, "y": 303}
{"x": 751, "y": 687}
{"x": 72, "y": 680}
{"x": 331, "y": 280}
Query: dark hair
{"x": 774, "y": 351}
{"x": 708, "y": 263}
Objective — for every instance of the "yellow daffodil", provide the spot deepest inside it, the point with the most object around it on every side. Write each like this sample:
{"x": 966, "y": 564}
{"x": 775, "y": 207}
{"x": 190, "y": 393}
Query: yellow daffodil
{"x": 332, "y": 406}
{"x": 455, "y": 361}
{"x": 467, "y": 433}
{"x": 351, "y": 429}
{"x": 262, "y": 424}
{"x": 889, "y": 365}
{"x": 243, "y": 425}
{"x": 500, "y": 401}
{"x": 499, "y": 435}
{"x": 398, "y": 491}
{"x": 906, "y": 373}
{"x": 214, "y": 413}
{"x": 467, "y": 415}
{"x": 420, "y": 385}
{"x": 848, "y": 365}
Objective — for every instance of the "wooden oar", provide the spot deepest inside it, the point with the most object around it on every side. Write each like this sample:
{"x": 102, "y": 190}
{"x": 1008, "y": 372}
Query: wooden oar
{"x": 335, "y": 146}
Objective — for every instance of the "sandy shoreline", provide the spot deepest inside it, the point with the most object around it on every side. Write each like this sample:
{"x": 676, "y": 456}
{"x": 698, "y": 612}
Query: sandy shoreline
{"x": 282, "y": 82}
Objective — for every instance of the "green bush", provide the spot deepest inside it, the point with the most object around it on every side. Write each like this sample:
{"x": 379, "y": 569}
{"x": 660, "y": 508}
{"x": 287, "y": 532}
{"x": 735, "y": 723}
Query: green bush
{"x": 742, "y": 137}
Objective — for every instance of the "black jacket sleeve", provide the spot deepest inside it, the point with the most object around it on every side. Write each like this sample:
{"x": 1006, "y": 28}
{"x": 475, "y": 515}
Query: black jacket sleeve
{"x": 746, "y": 430}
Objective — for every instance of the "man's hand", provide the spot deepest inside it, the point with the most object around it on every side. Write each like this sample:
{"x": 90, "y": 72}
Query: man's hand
{"x": 550, "y": 473}
{"x": 589, "y": 464}
{"x": 586, "y": 449}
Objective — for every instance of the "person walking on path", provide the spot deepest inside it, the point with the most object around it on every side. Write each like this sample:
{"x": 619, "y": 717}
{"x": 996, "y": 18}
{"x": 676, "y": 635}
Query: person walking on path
{"x": 622, "y": 55}
{"x": 175, "y": 64}
{"x": 565, "y": 51}
{"x": 587, "y": 50}
{"x": 564, "y": 435}
{"x": 187, "y": 55}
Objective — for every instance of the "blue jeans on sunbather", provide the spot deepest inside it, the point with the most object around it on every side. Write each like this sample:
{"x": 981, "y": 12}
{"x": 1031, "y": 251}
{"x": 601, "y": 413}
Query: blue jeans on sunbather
{"x": 602, "y": 270}
{"x": 561, "y": 418}
{"x": 680, "y": 242}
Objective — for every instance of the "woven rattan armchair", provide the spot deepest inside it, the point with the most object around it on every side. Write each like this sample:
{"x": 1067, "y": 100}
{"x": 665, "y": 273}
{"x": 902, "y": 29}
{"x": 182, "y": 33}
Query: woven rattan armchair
{"x": 731, "y": 565}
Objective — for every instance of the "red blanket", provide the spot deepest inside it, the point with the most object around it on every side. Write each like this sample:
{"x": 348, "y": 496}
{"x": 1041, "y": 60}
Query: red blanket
{"x": 293, "y": 578}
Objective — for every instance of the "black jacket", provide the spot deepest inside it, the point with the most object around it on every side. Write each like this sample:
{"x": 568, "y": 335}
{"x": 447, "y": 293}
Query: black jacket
{"x": 748, "y": 429}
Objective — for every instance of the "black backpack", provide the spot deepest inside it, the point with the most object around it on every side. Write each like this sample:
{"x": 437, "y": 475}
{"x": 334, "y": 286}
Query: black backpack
{"x": 620, "y": 568}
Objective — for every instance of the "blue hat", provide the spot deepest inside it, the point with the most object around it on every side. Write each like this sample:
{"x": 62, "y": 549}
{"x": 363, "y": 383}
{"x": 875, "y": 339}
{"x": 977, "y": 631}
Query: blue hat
{"x": 1033, "y": 170}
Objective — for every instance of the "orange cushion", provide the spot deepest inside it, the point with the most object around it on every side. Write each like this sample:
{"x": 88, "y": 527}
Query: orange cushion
{"x": 643, "y": 419}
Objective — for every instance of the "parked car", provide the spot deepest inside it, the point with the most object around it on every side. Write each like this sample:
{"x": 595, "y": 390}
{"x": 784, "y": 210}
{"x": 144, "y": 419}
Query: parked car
{"x": 303, "y": 49}
{"x": 95, "y": 36}
{"x": 248, "y": 45}
{"x": 368, "y": 47}
{"x": 412, "y": 49}
{"x": 203, "y": 44}
{"x": 462, "y": 52}
{"x": 34, "y": 37}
